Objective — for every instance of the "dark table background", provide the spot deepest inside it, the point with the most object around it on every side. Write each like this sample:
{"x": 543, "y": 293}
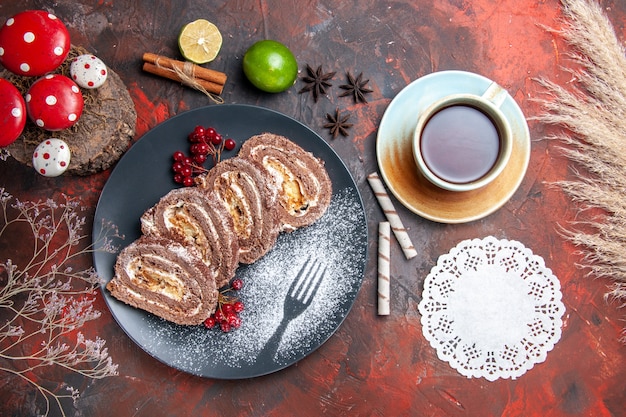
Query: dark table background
{"x": 372, "y": 366}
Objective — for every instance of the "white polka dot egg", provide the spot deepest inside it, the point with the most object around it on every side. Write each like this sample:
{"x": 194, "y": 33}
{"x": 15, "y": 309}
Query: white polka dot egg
{"x": 51, "y": 157}
{"x": 88, "y": 71}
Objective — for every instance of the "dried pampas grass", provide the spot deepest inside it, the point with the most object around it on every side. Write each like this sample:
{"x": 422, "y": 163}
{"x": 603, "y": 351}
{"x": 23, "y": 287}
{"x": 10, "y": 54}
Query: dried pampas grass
{"x": 593, "y": 115}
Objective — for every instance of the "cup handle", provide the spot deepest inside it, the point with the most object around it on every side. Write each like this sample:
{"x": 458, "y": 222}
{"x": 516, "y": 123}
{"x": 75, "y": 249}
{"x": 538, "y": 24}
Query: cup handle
{"x": 495, "y": 94}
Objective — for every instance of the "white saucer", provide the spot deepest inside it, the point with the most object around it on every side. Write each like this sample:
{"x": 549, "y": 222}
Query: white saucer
{"x": 397, "y": 166}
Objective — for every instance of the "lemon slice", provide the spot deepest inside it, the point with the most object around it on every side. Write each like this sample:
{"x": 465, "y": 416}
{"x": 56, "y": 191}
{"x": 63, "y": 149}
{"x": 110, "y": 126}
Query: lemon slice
{"x": 199, "y": 41}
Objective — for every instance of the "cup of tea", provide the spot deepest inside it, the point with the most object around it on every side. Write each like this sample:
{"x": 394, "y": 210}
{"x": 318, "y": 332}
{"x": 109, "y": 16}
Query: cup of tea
{"x": 462, "y": 142}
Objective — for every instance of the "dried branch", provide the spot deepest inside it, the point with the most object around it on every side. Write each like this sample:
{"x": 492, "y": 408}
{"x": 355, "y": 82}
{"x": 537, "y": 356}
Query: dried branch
{"x": 44, "y": 303}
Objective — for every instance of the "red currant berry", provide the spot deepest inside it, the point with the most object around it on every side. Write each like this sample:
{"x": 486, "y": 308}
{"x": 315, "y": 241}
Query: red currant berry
{"x": 216, "y": 139}
{"x": 203, "y": 148}
{"x": 238, "y": 306}
{"x": 199, "y": 130}
{"x": 186, "y": 171}
{"x": 234, "y": 321}
{"x": 237, "y": 284}
{"x": 228, "y": 309}
{"x": 225, "y": 327}
{"x": 178, "y": 178}
{"x": 194, "y": 149}
{"x": 229, "y": 144}
{"x": 209, "y": 133}
{"x": 219, "y": 316}
{"x": 210, "y": 322}
{"x": 199, "y": 159}
{"x": 188, "y": 182}
{"x": 178, "y": 156}
{"x": 177, "y": 166}
{"x": 187, "y": 160}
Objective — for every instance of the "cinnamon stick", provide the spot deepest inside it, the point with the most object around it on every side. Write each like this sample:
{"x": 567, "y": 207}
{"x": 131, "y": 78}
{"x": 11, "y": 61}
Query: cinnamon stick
{"x": 193, "y": 70}
{"x": 209, "y": 86}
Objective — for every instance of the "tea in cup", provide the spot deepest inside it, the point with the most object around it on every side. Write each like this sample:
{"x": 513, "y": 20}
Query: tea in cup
{"x": 462, "y": 142}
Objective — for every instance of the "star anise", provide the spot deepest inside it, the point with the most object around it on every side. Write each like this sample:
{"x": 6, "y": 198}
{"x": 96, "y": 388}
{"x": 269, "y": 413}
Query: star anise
{"x": 316, "y": 81}
{"x": 338, "y": 124}
{"x": 356, "y": 88}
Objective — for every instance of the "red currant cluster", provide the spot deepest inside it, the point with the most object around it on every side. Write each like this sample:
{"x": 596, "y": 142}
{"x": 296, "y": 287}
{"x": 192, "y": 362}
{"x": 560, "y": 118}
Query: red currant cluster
{"x": 226, "y": 315}
{"x": 204, "y": 141}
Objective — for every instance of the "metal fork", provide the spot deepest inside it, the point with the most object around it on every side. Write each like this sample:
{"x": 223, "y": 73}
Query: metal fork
{"x": 299, "y": 297}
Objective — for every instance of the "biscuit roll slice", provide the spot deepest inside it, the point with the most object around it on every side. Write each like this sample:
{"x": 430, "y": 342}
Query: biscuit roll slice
{"x": 303, "y": 185}
{"x": 248, "y": 196}
{"x": 165, "y": 278}
{"x": 194, "y": 218}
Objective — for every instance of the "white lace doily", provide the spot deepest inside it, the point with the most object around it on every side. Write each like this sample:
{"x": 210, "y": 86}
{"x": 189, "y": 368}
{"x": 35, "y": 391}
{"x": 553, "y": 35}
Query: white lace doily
{"x": 491, "y": 308}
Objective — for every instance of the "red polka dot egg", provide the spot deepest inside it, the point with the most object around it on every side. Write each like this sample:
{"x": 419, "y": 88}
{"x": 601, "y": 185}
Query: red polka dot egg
{"x": 54, "y": 102}
{"x": 88, "y": 71}
{"x": 12, "y": 113}
{"x": 51, "y": 157}
{"x": 33, "y": 43}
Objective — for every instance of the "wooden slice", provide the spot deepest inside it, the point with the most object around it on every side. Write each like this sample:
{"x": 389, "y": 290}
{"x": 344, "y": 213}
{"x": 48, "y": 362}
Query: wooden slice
{"x": 101, "y": 135}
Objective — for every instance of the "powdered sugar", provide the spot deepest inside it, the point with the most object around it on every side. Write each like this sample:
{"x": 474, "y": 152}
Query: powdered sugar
{"x": 338, "y": 240}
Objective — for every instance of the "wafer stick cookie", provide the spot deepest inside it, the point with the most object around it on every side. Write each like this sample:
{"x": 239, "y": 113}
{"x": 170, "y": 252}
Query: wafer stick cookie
{"x": 392, "y": 216}
{"x": 384, "y": 237}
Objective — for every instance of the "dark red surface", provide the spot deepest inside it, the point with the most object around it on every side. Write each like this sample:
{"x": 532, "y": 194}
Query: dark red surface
{"x": 372, "y": 366}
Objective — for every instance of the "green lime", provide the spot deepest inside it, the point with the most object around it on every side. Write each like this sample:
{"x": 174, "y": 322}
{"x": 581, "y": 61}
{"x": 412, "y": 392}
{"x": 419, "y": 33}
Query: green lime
{"x": 270, "y": 66}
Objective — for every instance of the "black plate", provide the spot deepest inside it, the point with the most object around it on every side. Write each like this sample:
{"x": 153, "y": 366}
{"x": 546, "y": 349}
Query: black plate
{"x": 338, "y": 239}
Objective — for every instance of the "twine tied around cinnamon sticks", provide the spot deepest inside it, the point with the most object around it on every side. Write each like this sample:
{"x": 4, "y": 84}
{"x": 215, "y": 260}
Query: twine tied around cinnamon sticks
{"x": 209, "y": 82}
